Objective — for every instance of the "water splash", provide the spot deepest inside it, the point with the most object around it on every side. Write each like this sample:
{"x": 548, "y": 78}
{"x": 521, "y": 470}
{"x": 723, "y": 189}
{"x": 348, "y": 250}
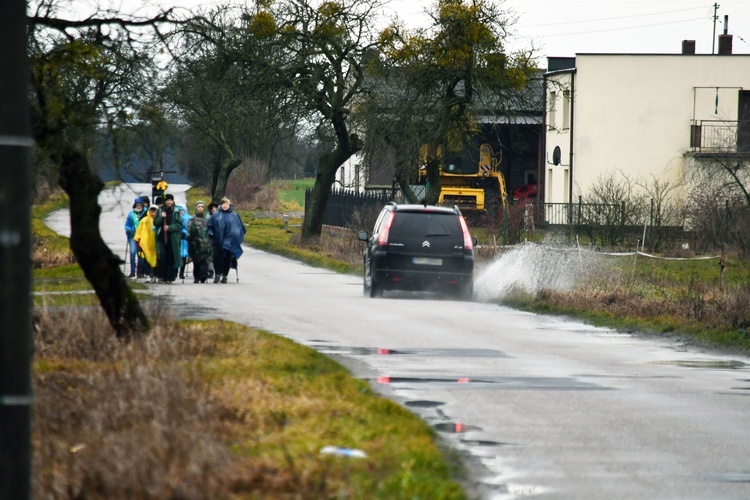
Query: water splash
{"x": 531, "y": 267}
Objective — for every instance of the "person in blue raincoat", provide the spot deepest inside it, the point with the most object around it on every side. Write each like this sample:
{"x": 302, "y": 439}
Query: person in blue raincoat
{"x": 131, "y": 225}
{"x": 184, "y": 241}
{"x": 227, "y": 232}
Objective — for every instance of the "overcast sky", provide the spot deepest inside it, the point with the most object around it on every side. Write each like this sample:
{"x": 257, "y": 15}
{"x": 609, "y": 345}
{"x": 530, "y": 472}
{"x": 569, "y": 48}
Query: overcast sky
{"x": 567, "y": 27}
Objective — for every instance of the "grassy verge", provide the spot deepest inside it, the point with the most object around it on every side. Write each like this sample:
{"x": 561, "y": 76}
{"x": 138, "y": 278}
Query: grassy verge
{"x": 53, "y": 261}
{"x": 52, "y": 258}
{"x": 215, "y": 410}
{"x": 48, "y": 248}
{"x": 682, "y": 299}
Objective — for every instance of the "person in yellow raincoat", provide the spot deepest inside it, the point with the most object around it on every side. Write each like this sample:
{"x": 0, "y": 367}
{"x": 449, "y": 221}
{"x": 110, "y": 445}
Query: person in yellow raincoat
{"x": 146, "y": 239}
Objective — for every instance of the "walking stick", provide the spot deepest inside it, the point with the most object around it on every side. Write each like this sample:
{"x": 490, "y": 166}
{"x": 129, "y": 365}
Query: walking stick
{"x": 127, "y": 255}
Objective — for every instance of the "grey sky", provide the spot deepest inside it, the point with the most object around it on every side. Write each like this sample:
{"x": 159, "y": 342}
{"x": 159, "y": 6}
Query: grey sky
{"x": 567, "y": 27}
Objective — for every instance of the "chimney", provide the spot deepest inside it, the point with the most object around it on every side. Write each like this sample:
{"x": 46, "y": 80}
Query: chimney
{"x": 725, "y": 40}
{"x": 688, "y": 47}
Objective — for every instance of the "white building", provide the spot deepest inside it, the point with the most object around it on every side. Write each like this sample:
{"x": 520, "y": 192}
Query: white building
{"x": 647, "y": 116}
{"x": 351, "y": 176}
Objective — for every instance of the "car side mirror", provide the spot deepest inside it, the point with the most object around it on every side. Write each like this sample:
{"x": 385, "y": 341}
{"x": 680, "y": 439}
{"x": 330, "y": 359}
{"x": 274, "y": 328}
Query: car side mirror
{"x": 474, "y": 241}
{"x": 363, "y": 236}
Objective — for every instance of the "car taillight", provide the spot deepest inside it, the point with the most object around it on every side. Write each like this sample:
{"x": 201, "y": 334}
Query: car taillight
{"x": 467, "y": 237}
{"x": 383, "y": 236}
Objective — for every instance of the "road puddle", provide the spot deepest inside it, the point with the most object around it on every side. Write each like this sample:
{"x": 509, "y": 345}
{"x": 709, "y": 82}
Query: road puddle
{"x": 423, "y": 404}
{"x": 508, "y": 383}
{"x": 482, "y": 442}
{"x": 384, "y": 351}
{"x": 740, "y": 477}
{"x": 415, "y": 380}
{"x": 709, "y": 364}
{"x": 455, "y": 427}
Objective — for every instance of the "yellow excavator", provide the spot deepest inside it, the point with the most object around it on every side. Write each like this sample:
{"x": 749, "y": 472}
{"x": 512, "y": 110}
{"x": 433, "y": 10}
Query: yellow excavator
{"x": 472, "y": 185}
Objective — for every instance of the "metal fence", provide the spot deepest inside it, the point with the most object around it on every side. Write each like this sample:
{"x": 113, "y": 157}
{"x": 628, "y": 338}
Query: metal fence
{"x": 579, "y": 214}
{"x": 346, "y": 207}
{"x": 714, "y": 135}
{"x": 601, "y": 224}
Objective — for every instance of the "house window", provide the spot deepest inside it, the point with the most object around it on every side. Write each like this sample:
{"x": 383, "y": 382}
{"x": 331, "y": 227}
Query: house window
{"x": 566, "y": 110}
{"x": 743, "y": 123}
{"x": 343, "y": 177}
{"x": 552, "y": 120}
{"x": 548, "y": 182}
{"x": 566, "y": 182}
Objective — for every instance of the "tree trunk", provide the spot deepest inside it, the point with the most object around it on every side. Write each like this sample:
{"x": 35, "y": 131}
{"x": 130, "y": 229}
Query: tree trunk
{"x": 315, "y": 210}
{"x": 407, "y": 191}
{"x": 100, "y": 266}
{"x": 222, "y": 178}
{"x": 432, "y": 189}
{"x": 329, "y": 163}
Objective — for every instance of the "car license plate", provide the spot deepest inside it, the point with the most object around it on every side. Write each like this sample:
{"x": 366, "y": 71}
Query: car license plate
{"x": 427, "y": 261}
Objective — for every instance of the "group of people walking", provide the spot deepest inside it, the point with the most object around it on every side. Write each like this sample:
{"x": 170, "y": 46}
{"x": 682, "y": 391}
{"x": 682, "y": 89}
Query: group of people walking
{"x": 163, "y": 239}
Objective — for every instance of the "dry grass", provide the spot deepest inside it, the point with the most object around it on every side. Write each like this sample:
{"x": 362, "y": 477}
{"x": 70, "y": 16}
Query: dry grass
{"x": 138, "y": 420}
{"x": 336, "y": 243}
{"x": 117, "y": 420}
{"x": 212, "y": 410}
{"x": 720, "y": 317}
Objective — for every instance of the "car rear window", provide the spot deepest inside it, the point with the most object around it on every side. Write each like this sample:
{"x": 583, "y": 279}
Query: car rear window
{"x": 423, "y": 224}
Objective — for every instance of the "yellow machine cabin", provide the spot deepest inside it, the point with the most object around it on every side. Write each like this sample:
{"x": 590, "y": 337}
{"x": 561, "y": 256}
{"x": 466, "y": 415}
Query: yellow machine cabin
{"x": 470, "y": 183}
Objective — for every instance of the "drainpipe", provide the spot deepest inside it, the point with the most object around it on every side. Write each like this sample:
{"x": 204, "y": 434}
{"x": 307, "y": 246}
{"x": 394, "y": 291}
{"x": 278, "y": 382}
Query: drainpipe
{"x": 572, "y": 121}
{"x": 542, "y": 153}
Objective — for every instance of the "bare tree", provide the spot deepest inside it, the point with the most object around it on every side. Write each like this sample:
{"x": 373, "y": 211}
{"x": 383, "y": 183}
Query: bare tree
{"x": 729, "y": 170}
{"x": 222, "y": 89}
{"x": 84, "y": 74}
{"x": 323, "y": 58}
{"x": 611, "y": 203}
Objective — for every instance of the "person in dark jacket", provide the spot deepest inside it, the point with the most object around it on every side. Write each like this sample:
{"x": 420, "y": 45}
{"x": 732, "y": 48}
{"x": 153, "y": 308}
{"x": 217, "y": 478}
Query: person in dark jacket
{"x": 215, "y": 254}
{"x": 168, "y": 226}
{"x": 227, "y": 232}
{"x": 199, "y": 244}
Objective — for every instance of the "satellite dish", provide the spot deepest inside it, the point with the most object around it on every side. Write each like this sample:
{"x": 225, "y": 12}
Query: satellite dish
{"x": 556, "y": 155}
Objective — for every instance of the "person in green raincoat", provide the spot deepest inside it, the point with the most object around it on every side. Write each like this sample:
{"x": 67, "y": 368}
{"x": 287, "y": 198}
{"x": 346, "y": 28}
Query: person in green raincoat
{"x": 168, "y": 227}
{"x": 199, "y": 244}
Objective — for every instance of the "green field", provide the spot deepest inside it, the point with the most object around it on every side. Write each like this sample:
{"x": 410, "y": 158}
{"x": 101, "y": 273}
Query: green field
{"x": 293, "y": 191}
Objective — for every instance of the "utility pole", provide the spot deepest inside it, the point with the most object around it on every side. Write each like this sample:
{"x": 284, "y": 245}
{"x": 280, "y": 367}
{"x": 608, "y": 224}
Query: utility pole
{"x": 713, "y": 40}
{"x": 15, "y": 256}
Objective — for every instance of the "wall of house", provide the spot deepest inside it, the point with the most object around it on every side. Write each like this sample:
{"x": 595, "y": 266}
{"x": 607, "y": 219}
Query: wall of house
{"x": 351, "y": 175}
{"x": 556, "y": 177}
{"x": 633, "y": 112}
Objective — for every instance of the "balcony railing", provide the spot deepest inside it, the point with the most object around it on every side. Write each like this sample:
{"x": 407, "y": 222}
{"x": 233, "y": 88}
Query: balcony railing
{"x": 720, "y": 136}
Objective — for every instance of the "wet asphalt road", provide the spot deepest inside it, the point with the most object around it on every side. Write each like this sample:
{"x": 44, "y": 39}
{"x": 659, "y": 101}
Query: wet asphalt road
{"x": 542, "y": 406}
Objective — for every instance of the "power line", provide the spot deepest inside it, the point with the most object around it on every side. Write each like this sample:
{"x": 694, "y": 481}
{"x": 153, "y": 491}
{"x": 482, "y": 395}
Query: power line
{"x": 611, "y": 18}
{"x": 625, "y": 28}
